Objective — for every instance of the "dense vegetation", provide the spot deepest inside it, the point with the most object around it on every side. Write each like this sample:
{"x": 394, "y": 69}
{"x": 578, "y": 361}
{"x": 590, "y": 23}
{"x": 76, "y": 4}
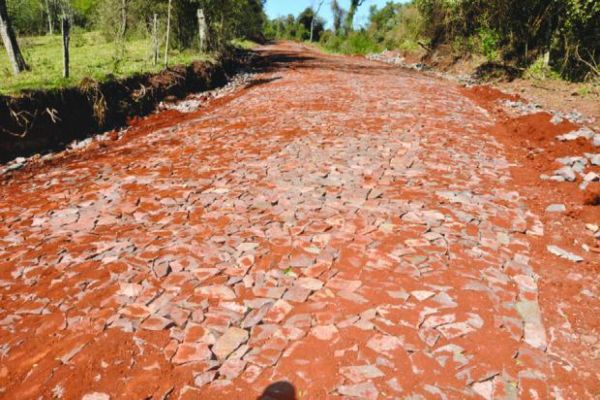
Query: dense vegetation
{"x": 120, "y": 37}
{"x": 562, "y": 36}
{"x": 226, "y": 18}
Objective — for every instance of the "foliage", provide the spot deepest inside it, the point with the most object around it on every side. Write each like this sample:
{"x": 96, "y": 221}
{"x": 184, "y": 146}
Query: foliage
{"x": 520, "y": 31}
{"x": 227, "y": 19}
{"x": 489, "y": 43}
{"x": 540, "y": 71}
{"x": 357, "y": 42}
{"x": 295, "y": 28}
{"x": 339, "y": 14}
{"x": 395, "y": 26}
{"x": 30, "y": 17}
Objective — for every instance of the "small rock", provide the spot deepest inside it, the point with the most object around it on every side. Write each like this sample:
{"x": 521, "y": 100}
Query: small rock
{"x": 596, "y": 140}
{"x": 557, "y": 251}
{"x": 567, "y": 173}
{"x": 585, "y": 133}
{"x": 96, "y": 396}
{"x": 556, "y": 208}
{"x": 591, "y": 177}
{"x": 592, "y": 228}
{"x": 594, "y": 159}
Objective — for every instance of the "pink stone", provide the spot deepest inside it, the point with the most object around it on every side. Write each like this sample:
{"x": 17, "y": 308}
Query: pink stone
{"x": 229, "y": 342}
{"x": 365, "y": 390}
{"x": 324, "y": 332}
{"x": 188, "y": 352}
{"x": 384, "y": 343}
{"x": 156, "y": 323}
{"x": 361, "y": 373}
{"x": 231, "y": 369}
{"x": 277, "y": 313}
{"x": 344, "y": 284}
{"x": 216, "y": 292}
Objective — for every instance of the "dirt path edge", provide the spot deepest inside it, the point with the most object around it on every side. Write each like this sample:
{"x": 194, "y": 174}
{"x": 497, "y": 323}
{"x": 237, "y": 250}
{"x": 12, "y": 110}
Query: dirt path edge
{"x": 42, "y": 121}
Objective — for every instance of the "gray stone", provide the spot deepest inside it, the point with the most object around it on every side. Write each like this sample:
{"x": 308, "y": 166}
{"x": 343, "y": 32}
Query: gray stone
{"x": 556, "y": 208}
{"x": 361, "y": 373}
{"x": 594, "y": 158}
{"x": 229, "y": 342}
{"x": 585, "y": 133}
{"x": 567, "y": 173}
{"x": 557, "y": 251}
{"x": 591, "y": 177}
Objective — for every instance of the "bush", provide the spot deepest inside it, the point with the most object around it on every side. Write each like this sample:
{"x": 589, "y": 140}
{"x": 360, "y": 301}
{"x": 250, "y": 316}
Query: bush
{"x": 520, "y": 31}
{"x": 359, "y": 42}
{"x": 489, "y": 42}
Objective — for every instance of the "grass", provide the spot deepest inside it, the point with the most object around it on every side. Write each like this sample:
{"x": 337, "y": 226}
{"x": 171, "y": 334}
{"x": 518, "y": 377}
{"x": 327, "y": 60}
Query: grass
{"x": 244, "y": 44}
{"x": 91, "y": 56}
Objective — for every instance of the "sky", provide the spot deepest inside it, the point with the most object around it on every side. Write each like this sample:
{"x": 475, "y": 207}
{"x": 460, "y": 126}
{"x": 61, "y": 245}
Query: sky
{"x": 276, "y": 8}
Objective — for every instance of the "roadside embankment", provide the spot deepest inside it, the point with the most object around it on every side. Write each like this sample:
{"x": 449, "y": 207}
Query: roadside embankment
{"x": 41, "y": 121}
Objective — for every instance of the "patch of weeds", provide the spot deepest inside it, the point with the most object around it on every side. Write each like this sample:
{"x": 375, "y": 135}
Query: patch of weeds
{"x": 539, "y": 70}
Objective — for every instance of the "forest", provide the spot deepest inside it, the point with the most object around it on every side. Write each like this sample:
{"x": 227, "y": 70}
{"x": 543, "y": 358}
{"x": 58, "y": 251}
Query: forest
{"x": 116, "y": 37}
{"x": 560, "y": 35}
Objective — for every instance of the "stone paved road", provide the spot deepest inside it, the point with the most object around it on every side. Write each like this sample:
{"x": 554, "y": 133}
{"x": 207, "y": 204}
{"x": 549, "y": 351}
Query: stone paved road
{"x": 340, "y": 225}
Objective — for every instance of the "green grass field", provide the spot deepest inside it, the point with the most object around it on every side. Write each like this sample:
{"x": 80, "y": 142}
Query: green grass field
{"x": 91, "y": 56}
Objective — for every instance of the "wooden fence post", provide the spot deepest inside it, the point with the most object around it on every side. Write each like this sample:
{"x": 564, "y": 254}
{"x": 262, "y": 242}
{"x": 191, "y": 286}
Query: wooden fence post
{"x": 66, "y": 35}
{"x": 168, "y": 34}
{"x": 155, "y": 41}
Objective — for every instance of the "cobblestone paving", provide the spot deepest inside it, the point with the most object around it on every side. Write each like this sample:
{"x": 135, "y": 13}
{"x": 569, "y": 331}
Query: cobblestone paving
{"x": 309, "y": 230}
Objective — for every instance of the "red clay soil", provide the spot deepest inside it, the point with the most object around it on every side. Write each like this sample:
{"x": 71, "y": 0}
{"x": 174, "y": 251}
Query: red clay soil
{"x": 348, "y": 228}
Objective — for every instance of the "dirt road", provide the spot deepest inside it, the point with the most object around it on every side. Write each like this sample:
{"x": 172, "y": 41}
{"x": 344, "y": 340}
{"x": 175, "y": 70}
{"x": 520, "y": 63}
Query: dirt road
{"x": 347, "y": 227}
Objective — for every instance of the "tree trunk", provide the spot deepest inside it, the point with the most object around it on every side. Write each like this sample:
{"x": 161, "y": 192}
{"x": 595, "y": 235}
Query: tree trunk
{"x": 66, "y": 35}
{"x": 312, "y": 21}
{"x": 10, "y": 41}
{"x": 123, "y": 18}
{"x": 155, "y": 42}
{"x": 168, "y": 34}
{"x": 50, "y": 20}
{"x": 202, "y": 31}
{"x": 349, "y": 23}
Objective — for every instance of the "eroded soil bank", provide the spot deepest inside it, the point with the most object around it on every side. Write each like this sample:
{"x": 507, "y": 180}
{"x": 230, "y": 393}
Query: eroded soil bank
{"x": 42, "y": 121}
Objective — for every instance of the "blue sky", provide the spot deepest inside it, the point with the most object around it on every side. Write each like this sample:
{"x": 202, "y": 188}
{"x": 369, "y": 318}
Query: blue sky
{"x": 276, "y": 8}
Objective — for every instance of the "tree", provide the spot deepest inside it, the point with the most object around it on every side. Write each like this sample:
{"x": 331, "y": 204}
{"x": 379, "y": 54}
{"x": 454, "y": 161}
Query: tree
{"x": 354, "y": 4}
{"x": 312, "y": 23}
{"x": 10, "y": 41}
{"x": 338, "y": 17}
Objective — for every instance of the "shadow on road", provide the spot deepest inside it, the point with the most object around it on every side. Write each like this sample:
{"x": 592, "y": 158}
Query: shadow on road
{"x": 273, "y": 60}
{"x": 282, "y": 390}
{"x": 259, "y": 82}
